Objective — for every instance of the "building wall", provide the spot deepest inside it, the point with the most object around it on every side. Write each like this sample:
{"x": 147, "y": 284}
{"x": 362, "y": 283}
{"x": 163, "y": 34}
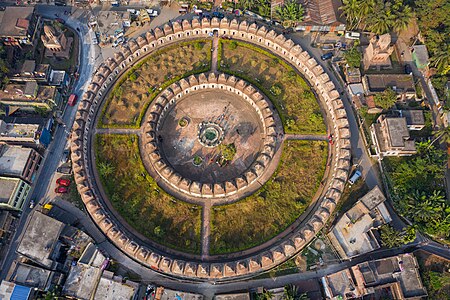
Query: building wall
{"x": 19, "y": 195}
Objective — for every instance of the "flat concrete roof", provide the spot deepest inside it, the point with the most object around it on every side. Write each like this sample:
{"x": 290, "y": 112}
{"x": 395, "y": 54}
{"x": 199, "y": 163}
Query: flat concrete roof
{"x": 373, "y": 198}
{"x": 379, "y": 82}
{"x": 111, "y": 289}
{"x": 398, "y": 131}
{"x": 414, "y": 117}
{"x": 7, "y": 187}
{"x": 40, "y": 238}
{"x": 11, "y": 17}
{"x": 13, "y": 159}
{"x": 30, "y": 275}
{"x": 81, "y": 281}
{"x": 169, "y": 294}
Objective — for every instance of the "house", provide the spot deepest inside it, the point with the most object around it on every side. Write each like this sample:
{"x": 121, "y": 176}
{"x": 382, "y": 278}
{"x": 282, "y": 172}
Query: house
{"x": 40, "y": 241}
{"x": 415, "y": 119}
{"x": 30, "y": 95}
{"x": 19, "y": 162}
{"x": 33, "y": 276}
{"x": 394, "y": 277}
{"x": 377, "y": 53}
{"x": 56, "y": 42}
{"x": 353, "y": 233}
{"x": 402, "y": 84}
{"x": 321, "y": 15}
{"x": 10, "y": 290}
{"x": 391, "y": 137}
{"x": 19, "y": 26}
{"x": 8, "y": 222}
{"x": 32, "y": 72}
{"x": 13, "y": 193}
{"x": 113, "y": 287}
{"x": 352, "y": 75}
{"x": 168, "y": 294}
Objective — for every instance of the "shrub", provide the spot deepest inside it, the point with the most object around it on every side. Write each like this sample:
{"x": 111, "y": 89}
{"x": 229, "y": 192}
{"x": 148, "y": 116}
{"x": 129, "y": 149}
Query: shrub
{"x": 133, "y": 76}
{"x": 276, "y": 89}
{"x": 233, "y": 45}
{"x": 199, "y": 45}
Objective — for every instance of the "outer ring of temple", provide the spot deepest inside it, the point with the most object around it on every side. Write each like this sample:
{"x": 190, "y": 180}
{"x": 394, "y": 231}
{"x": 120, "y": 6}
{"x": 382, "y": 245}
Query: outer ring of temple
{"x": 228, "y": 268}
{"x": 248, "y": 181}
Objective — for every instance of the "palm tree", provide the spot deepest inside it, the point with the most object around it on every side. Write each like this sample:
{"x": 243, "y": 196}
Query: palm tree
{"x": 290, "y": 292}
{"x": 365, "y": 9}
{"x": 105, "y": 169}
{"x": 351, "y": 9}
{"x": 246, "y": 4}
{"x": 290, "y": 13}
{"x": 381, "y": 19}
{"x": 403, "y": 16}
{"x": 442, "y": 134}
{"x": 441, "y": 59}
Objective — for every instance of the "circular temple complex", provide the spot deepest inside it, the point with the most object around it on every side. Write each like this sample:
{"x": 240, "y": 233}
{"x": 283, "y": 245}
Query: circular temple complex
{"x": 232, "y": 130}
{"x": 209, "y": 152}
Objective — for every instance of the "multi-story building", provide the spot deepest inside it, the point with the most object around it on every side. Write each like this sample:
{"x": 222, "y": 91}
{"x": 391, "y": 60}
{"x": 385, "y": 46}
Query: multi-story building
{"x": 377, "y": 53}
{"x": 13, "y": 193}
{"x": 31, "y": 71}
{"x": 19, "y": 162}
{"x": 20, "y": 134}
{"x": 391, "y": 137}
{"x": 401, "y": 84}
{"x": 19, "y": 26}
{"x": 29, "y": 96}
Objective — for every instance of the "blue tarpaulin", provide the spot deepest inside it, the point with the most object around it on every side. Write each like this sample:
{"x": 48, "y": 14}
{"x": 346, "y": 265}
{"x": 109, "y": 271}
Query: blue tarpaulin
{"x": 45, "y": 138}
{"x": 20, "y": 293}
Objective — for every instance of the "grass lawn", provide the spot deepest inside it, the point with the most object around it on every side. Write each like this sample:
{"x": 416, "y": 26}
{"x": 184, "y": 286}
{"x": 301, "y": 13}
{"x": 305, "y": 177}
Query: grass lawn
{"x": 139, "y": 200}
{"x": 128, "y": 100}
{"x": 261, "y": 216}
{"x": 288, "y": 91}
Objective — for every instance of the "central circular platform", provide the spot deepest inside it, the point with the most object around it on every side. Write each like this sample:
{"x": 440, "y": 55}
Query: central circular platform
{"x": 212, "y": 140}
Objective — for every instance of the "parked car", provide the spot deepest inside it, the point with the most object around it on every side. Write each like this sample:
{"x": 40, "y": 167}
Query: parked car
{"x": 64, "y": 169}
{"x": 218, "y": 15}
{"x": 61, "y": 190}
{"x": 63, "y": 182}
{"x": 72, "y": 100}
{"x": 408, "y": 69}
{"x": 327, "y": 56}
{"x": 355, "y": 177}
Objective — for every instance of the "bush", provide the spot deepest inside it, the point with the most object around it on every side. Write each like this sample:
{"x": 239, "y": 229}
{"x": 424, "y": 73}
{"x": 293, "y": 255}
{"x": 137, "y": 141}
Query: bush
{"x": 233, "y": 45}
{"x": 276, "y": 89}
{"x": 199, "y": 45}
{"x": 133, "y": 76}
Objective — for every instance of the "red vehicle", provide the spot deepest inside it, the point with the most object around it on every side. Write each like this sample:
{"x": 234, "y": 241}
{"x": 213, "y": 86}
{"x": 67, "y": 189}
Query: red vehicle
{"x": 61, "y": 190}
{"x": 72, "y": 99}
{"x": 63, "y": 182}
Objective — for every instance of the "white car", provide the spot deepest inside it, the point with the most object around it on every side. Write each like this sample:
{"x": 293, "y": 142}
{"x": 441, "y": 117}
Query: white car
{"x": 355, "y": 177}
{"x": 32, "y": 203}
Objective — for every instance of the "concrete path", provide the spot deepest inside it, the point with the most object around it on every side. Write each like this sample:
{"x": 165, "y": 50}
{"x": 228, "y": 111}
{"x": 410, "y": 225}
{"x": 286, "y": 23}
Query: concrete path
{"x": 117, "y": 131}
{"x": 306, "y": 137}
{"x": 214, "y": 55}
{"x": 206, "y": 229}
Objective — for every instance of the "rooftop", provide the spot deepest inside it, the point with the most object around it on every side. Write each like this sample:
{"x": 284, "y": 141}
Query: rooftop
{"x": 420, "y": 54}
{"x": 7, "y": 187}
{"x": 237, "y": 296}
{"x": 341, "y": 284}
{"x": 29, "y": 91}
{"x": 111, "y": 287}
{"x": 398, "y": 82}
{"x": 13, "y": 21}
{"x": 18, "y": 130}
{"x": 81, "y": 281}
{"x": 40, "y": 238}
{"x": 13, "y": 159}
{"x": 31, "y": 276}
{"x": 352, "y": 234}
{"x": 57, "y": 77}
{"x": 28, "y": 66}
{"x": 320, "y": 12}
{"x": 168, "y": 294}
{"x": 12, "y": 291}
{"x": 414, "y": 117}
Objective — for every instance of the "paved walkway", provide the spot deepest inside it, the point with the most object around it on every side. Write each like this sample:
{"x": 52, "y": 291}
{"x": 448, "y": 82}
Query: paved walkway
{"x": 306, "y": 137}
{"x": 214, "y": 55}
{"x": 206, "y": 229}
{"x": 117, "y": 131}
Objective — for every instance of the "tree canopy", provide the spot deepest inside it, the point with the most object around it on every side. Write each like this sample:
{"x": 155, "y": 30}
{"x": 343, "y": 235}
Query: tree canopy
{"x": 353, "y": 57}
{"x": 386, "y": 99}
{"x": 290, "y": 13}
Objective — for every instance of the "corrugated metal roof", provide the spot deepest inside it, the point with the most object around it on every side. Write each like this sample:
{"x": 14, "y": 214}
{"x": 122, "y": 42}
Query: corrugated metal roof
{"x": 20, "y": 293}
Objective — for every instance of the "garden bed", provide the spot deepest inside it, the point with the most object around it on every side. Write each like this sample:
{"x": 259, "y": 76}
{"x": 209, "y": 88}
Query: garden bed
{"x": 259, "y": 217}
{"x": 127, "y": 102}
{"x": 288, "y": 91}
{"x": 137, "y": 198}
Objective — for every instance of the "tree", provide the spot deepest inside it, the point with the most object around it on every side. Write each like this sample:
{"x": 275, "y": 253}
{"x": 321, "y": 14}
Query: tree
{"x": 386, "y": 99}
{"x": 353, "y": 57}
{"x": 290, "y": 13}
{"x": 246, "y": 4}
{"x": 441, "y": 59}
{"x": 442, "y": 134}
{"x": 402, "y": 16}
{"x": 351, "y": 9}
{"x": 290, "y": 292}
{"x": 105, "y": 169}
{"x": 380, "y": 20}
{"x": 392, "y": 238}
